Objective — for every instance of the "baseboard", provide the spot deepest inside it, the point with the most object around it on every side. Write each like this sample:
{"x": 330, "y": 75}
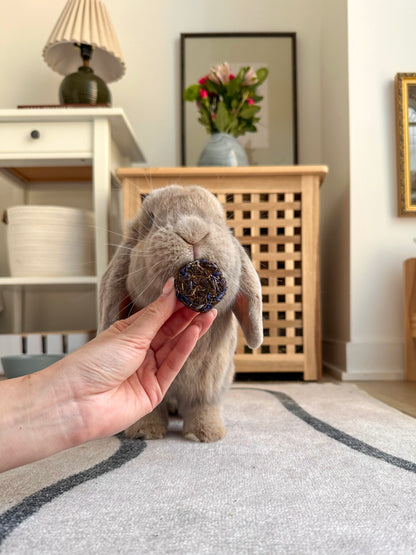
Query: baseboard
{"x": 332, "y": 370}
{"x": 349, "y": 361}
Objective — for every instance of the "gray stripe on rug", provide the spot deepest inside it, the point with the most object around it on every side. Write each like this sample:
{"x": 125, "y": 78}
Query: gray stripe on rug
{"x": 338, "y": 435}
{"x": 10, "y": 519}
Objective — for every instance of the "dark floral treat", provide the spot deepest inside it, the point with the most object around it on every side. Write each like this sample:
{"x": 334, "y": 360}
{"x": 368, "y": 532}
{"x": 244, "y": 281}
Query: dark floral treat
{"x": 200, "y": 285}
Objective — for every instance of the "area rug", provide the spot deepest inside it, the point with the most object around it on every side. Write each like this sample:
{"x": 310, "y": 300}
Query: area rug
{"x": 304, "y": 468}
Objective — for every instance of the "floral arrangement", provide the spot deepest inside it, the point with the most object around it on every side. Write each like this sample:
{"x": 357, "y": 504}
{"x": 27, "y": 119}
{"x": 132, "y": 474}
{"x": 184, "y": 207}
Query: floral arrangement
{"x": 226, "y": 102}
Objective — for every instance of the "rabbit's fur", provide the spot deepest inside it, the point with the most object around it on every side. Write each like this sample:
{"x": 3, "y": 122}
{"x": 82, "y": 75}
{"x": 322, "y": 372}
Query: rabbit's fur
{"x": 175, "y": 226}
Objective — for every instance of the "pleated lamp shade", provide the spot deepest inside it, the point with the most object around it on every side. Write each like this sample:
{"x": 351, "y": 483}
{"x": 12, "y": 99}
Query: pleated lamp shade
{"x": 85, "y": 22}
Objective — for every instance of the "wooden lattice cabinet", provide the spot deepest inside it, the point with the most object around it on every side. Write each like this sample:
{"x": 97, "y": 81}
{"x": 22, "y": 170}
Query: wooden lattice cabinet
{"x": 274, "y": 212}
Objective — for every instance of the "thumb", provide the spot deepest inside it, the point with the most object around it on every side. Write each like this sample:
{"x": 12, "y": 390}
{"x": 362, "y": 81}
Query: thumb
{"x": 152, "y": 317}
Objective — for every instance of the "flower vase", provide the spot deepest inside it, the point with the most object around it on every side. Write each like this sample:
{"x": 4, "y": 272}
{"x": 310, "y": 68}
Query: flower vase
{"x": 223, "y": 149}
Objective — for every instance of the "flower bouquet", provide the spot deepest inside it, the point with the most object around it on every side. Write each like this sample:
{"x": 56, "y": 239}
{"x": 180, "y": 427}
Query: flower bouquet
{"x": 228, "y": 103}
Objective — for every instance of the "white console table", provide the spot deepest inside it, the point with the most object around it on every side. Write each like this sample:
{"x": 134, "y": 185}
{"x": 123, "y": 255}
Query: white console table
{"x": 52, "y": 145}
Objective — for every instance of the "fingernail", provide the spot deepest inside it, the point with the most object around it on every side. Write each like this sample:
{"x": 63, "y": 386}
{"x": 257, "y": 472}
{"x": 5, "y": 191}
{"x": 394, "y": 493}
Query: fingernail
{"x": 168, "y": 287}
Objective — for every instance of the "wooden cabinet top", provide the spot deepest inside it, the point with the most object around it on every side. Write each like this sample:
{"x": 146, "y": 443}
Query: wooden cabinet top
{"x": 252, "y": 171}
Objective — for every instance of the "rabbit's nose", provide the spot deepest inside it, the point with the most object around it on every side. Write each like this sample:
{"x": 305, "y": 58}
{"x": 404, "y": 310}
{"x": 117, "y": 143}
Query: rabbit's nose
{"x": 194, "y": 241}
{"x": 192, "y": 230}
{"x": 192, "y": 238}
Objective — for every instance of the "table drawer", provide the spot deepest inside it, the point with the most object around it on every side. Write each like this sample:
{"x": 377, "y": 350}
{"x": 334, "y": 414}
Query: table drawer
{"x": 43, "y": 137}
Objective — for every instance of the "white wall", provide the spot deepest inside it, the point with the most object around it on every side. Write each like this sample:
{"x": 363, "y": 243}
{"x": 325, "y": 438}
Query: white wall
{"x": 149, "y": 36}
{"x": 335, "y": 213}
{"x": 382, "y": 42}
{"x": 348, "y": 54}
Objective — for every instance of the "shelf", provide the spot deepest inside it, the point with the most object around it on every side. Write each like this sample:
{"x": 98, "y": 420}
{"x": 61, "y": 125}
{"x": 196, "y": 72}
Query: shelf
{"x": 72, "y": 162}
{"x": 70, "y": 280}
{"x": 36, "y": 174}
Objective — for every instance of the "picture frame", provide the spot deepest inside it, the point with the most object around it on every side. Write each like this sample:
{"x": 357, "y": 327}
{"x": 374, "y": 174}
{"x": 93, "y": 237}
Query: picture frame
{"x": 405, "y": 100}
{"x": 276, "y": 141}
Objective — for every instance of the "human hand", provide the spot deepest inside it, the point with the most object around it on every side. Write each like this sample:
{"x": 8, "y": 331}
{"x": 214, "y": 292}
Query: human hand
{"x": 124, "y": 372}
{"x": 103, "y": 387}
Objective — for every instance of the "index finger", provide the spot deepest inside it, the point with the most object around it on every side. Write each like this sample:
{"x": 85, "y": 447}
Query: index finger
{"x": 179, "y": 321}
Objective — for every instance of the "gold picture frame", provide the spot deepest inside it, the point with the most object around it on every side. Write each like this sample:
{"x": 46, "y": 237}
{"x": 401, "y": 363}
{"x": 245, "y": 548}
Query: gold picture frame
{"x": 405, "y": 93}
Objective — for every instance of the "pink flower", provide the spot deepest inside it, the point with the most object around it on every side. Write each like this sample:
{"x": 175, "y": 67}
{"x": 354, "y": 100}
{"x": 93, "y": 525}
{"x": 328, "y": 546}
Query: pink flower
{"x": 203, "y": 93}
{"x": 220, "y": 74}
{"x": 203, "y": 80}
{"x": 232, "y": 76}
{"x": 250, "y": 101}
{"x": 250, "y": 77}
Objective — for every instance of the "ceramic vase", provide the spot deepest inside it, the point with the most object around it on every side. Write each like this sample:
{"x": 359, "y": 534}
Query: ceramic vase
{"x": 223, "y": 149}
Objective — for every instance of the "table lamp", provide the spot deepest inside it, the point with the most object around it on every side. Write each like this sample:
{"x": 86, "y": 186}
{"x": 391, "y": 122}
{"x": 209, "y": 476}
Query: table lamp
{"x": 84, "y": 30}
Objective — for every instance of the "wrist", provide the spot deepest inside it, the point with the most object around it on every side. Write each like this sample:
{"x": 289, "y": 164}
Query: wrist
{"x": 39, "y": 417}
{"x": 61, "y": 406}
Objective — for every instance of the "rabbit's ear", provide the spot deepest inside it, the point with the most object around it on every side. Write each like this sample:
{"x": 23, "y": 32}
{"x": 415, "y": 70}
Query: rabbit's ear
{"x": 113, "y": 291}
{"x": 248, "y": 305}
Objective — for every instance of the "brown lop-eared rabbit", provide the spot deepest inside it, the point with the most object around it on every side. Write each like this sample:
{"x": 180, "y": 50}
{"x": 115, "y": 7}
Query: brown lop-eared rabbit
{"x": 174, "y": 226}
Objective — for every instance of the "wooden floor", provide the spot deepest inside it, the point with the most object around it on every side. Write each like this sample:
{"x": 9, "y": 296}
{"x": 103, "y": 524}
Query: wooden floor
{"x": 400, "y": 395}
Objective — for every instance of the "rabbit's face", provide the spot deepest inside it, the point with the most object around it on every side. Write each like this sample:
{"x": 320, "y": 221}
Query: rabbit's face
{"x": 175, "y": 226}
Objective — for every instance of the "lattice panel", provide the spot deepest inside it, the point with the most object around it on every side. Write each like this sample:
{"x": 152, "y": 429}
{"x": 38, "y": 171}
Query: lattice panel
{"x": 268, "y": 225}
{"x": 274, "y": 213}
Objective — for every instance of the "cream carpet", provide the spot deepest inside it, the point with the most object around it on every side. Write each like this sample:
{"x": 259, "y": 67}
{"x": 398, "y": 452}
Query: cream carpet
{"x": 304, "y": 468}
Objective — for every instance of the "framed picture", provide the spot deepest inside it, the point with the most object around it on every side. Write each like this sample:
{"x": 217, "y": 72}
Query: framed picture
{"x": 276, "y": 139}
{"x": 405, "y": 89}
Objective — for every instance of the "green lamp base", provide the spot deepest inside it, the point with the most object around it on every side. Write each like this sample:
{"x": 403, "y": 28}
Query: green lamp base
{"x": 84, "y": 87}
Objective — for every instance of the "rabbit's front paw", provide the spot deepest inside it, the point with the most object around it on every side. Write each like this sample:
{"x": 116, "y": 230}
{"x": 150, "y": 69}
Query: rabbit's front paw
{"x": 151, "y": 426}
{"x": 203, "y": 424}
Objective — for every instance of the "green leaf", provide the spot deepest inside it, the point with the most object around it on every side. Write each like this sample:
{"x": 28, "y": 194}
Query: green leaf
{"x": 233, "y": 86}
{"x": 249, "y": 112}
{"x": 223, "y": 119}
{"x": 191, "y": 94}
{"x": 207, "y": 127}
{"x": 213, "y": 87}
{"x": 205, "y": 117}
{"x": 233, "y": 125}
{"x": 262, "y": 74}
{"x": 242, "y": 73}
